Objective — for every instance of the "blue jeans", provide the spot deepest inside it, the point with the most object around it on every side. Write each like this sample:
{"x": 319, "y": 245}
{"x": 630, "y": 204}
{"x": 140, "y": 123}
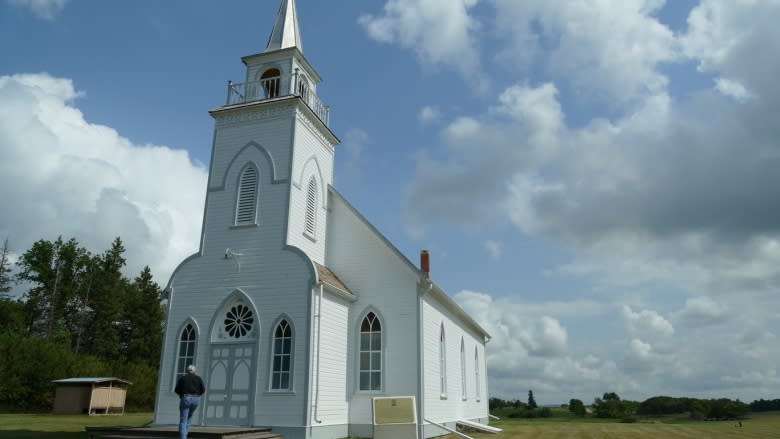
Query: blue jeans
{"x": 187, "y": 407}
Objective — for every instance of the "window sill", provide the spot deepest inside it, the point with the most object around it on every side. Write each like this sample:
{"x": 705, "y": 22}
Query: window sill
{"x": 443, "y": 396}
{"x": 279, "y": 393}
{"x": 243, "y": 226}
{"x": 369, "y": 392}
{"x": 309, "y": 236}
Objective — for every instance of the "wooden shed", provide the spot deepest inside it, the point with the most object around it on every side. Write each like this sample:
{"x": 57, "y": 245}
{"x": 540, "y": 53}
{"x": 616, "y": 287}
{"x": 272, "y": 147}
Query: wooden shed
{"x": 93, "y": 396}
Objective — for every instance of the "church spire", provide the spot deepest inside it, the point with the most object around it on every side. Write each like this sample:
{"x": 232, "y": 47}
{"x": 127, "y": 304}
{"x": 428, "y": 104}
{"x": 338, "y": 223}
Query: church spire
{"x": 286, "y": 32}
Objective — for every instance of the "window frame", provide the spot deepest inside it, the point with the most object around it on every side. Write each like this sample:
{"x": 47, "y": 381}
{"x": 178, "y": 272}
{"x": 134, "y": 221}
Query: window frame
{"x": 476, "y": 372}
{"x": 275, "y": 353}
{"x": 240, "y": 210}
{"x": 463, "y": 394}
{"x": 310, "y": 215}
{"x": 372, "y": 360}
{"x": 442, "y": 363}
{"x": 188, "y": 359}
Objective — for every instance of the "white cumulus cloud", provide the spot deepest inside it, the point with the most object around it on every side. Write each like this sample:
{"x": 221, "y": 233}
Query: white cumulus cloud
{"x": 62, "y": 175}
{"x": 439, "y": 32}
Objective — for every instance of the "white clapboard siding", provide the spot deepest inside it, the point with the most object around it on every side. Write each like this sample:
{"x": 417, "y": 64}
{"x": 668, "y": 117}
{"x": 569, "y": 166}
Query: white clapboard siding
{"x": 313, "y": 157}
{"x": 333, "y": 407}
{"x": 384, "y": 283}
{"x": 453, "y": 407}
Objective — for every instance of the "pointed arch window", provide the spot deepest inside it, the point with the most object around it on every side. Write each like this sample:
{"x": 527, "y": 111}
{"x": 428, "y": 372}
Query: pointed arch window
{"x": 311, "y": 208}
{"x": 186, "y": 355}
{"x": 246, "y": 206}
{"x": 371, "y": 353}
{"x": 281, "y": 369}
{"x": 462, "y": 370}
{"x": 270, "y": 80}
{"x": 442, "y": 363}
{"x": 476, "y": 370}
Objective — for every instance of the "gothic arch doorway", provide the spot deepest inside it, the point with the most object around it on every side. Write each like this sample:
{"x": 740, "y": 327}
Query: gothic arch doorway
{"x": 232, "y": 362}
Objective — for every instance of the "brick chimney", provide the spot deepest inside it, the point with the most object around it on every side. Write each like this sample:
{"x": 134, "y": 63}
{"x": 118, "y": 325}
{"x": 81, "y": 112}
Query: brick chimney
{"x": 425, "y": 263}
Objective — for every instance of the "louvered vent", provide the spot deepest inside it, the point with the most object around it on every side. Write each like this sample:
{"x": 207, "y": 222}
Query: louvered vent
{"x": 311, "y": 207}
{"x": 247, "y": 197}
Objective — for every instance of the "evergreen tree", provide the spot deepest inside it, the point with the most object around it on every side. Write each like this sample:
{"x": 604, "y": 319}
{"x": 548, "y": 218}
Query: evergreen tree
{"x": 144, "y": 320}
{"x": 531, "y": 400}
{"x": 5, "y": 271}
{"x": 107, "y": 300}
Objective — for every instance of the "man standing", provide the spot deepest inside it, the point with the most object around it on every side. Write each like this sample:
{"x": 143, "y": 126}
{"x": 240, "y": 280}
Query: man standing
{"x": 189, "y": 388}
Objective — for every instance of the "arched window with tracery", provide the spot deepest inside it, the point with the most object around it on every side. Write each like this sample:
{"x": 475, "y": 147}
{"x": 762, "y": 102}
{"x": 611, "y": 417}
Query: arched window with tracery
{"x": 186, "y": 355}
{"x": 462, "y": 370}
{"x": 442, "y": 363}
{"x": 311, "y": 208}
{"x": 281, "y": 369}
{"x": 246, "y": 205}
{"x": 371, "y": 353}
{"x": 270, "y": 80}
{"x": 476, "y": 371}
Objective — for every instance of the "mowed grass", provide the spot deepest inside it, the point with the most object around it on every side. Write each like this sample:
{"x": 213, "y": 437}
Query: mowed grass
{"x": 48, "y": 426}
{"x": 759, "y": 426}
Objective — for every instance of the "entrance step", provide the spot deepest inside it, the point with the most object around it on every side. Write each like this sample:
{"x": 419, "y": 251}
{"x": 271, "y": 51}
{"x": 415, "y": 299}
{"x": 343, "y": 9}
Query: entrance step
{"x": 166, "y": 432}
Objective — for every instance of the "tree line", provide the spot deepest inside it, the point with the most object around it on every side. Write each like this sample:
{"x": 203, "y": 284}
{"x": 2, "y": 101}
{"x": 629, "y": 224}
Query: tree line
{"x": 78, "y": 316}
{"x": 611, "y": 406}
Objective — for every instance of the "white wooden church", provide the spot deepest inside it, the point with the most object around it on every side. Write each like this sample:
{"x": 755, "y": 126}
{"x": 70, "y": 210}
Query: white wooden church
{"x": 296, "y": 311}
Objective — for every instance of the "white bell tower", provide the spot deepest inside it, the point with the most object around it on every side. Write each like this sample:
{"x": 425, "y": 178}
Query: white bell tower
{"x": 272, "y": 158}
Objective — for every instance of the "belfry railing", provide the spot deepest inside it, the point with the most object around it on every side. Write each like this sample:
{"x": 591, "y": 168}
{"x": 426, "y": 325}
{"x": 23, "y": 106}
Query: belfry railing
{"x": 270, "y": 88}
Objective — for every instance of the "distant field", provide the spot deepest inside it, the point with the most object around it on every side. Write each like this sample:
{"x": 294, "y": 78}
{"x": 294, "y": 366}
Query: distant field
{"x": 760, "y": 426}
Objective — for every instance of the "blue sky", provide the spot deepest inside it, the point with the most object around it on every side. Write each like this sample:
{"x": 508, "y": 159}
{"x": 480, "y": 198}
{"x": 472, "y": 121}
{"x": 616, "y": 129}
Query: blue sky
{"x": 595, "y": 180}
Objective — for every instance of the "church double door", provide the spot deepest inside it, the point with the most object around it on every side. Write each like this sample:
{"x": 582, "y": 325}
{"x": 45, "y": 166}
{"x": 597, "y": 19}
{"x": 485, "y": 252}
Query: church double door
{"x": 230, "y": 384}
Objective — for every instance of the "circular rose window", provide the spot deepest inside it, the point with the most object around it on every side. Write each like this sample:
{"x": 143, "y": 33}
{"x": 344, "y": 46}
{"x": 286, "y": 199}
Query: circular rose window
{"x": 238, "y": 321}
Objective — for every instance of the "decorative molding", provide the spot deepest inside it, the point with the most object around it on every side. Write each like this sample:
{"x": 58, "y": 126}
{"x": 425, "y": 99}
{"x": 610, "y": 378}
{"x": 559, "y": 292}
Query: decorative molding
{"x": 315, "y": 130}
{"x": 252, "y": 114}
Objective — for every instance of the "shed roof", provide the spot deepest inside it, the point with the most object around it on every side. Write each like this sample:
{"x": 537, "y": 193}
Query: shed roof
{"x": 329, "y": 277}
{"x": 90, "y": 380}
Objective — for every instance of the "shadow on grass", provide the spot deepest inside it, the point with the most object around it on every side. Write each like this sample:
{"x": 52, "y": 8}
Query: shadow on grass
{"x": 30, "y": 434}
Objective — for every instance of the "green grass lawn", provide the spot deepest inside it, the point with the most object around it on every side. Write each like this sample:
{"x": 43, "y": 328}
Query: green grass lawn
{"x": 48, "y": 426}
{"x": 759, "y": 426}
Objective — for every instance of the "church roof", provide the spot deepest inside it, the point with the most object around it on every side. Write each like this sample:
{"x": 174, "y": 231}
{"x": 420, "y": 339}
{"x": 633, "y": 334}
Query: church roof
{"x": 286, "y": 32}
{"x": 435, "y": 290}
{"x": 330, "y": 278}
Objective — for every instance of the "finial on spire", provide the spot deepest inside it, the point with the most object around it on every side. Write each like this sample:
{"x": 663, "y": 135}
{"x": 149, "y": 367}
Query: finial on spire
{"x": 286, "y": 32}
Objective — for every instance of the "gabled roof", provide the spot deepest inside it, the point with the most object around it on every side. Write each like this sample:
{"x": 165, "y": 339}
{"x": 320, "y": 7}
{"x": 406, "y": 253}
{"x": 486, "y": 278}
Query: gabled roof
{"x": 286, "y": 32}
{"x": 434, "y": 289}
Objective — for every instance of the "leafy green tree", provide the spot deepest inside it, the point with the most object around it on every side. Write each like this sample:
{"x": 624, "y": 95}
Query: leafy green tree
{"x": 54, "y": 270}
{"x": 531, "y": 401}
{"x": 577, "y": 407}
{"x": 611, "y": 406}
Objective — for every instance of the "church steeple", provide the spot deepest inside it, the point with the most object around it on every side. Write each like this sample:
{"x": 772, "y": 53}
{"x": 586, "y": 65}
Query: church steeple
{"x": 286, "y": 31}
